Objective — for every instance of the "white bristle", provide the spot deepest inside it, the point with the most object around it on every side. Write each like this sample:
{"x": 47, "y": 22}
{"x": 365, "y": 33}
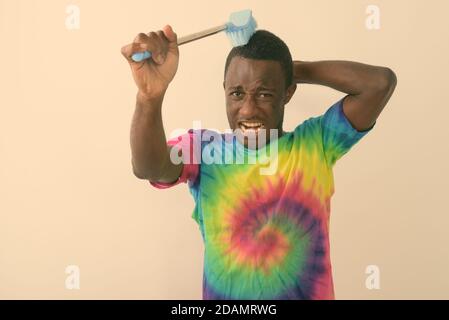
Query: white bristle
{"x": 241, "y": 27}
{"x": 240, "y": 37}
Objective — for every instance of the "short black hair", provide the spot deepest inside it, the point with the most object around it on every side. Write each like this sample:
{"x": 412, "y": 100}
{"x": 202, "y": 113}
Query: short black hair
{"x": 264, "y": 45}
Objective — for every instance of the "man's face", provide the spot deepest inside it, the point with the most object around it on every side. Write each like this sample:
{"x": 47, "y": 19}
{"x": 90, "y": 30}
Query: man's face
{"x": 255, "y": 98}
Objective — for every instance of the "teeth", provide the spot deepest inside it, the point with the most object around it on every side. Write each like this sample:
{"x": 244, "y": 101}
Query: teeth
{"x": 252, "y": 127}
{"x": 251, "y": 124}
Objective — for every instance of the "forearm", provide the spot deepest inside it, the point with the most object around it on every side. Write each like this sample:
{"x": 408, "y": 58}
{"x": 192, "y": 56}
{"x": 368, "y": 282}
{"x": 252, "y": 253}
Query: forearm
{"x": 345, "y": 76}
{"x": 148, "y": 141}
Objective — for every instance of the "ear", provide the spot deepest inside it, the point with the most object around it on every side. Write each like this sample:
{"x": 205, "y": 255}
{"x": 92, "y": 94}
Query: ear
{"x": 290, "y": 92}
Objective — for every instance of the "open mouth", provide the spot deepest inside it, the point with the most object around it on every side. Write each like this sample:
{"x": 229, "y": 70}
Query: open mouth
{"x": 251, "y": 127}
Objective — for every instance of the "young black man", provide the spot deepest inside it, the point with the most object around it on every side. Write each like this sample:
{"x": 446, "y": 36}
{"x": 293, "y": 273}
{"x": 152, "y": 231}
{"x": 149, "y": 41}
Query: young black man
{"x": 266, "y": 236}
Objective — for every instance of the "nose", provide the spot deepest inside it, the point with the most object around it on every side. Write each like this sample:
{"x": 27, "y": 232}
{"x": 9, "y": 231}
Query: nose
{"x": 248, "y": 107}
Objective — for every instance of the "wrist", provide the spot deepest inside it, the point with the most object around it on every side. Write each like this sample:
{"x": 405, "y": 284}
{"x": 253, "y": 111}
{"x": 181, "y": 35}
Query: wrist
{"x": 149, "y": 99}
{"x": 300, "y": 72}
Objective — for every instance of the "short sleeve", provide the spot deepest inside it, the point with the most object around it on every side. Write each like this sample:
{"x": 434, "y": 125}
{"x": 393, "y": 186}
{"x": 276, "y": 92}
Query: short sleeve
{"x": 186, "y": 147}
{"x": 338, "y": 133}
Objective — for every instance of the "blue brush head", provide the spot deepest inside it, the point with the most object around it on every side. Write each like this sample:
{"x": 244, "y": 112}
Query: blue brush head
{"x": 241, "y": 27}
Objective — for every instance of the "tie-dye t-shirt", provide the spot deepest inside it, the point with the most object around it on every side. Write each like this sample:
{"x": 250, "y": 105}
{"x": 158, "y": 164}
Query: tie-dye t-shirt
{"x": 266, "y": 236}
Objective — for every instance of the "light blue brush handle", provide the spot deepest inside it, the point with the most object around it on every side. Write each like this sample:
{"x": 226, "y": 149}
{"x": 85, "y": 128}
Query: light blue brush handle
{"x": 140, "y": 56}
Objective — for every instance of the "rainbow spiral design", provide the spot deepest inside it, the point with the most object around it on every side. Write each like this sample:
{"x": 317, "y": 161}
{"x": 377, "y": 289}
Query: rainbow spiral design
{"x": 276, "y": 249}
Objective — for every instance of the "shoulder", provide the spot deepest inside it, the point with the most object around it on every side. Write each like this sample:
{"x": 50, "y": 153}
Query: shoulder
{"x": 204, "y": 137}
{"x": 308, "y": 127}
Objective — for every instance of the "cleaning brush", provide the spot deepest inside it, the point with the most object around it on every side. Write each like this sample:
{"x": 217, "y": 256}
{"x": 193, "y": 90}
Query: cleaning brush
{"x": 239, "y": 30}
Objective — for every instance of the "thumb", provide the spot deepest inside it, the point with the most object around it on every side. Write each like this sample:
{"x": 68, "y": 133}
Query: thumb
{"x": 170, "y": 34}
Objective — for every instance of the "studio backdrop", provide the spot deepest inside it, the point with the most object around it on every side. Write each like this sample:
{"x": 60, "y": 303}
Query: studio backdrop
{"x": 75, "y": 223}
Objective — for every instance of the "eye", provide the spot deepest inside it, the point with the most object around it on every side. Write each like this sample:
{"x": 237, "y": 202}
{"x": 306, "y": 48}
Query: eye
{"x": 265, "y": 94}
{"x": 236, "y": 94}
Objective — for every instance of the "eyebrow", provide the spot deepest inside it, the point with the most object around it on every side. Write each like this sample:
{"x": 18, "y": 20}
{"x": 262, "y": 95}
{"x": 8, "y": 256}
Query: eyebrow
{"x": 258, "y": 88}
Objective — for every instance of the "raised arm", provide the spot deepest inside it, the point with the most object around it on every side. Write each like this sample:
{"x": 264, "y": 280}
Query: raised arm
{"x": 150, "y": 154}
{"x": 368, "y": 87}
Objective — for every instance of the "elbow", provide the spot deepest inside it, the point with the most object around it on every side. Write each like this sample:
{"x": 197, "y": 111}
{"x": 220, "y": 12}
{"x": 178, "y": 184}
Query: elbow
{"x": 387, "y": 80}
{"x": 392, "y": 80}
{"x": 139, "y": 173}
{"x": 146, "y": 174}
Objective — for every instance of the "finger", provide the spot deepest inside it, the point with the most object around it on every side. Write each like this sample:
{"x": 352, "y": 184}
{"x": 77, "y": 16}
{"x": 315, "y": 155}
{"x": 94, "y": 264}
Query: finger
{"x": 170, "y": 34}
{"x": 141, "y": 37}
{"x": 156, "y": 56}
{"x": 161, "y": 35}
{"x": 165, "y": 45}
{"x": 162, "y": 42}
{"x": 150, "y": 42}
{"x": 128, "y": 50}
